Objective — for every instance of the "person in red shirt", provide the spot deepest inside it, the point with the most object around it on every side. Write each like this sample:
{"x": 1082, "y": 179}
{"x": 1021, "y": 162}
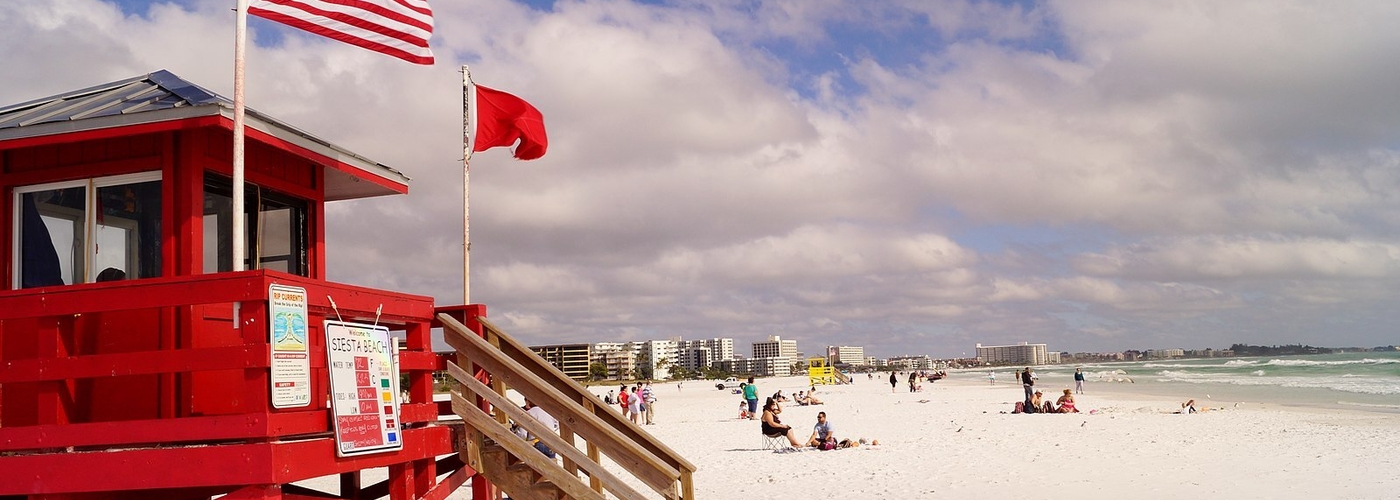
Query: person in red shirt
{"x": 622, "y": 398}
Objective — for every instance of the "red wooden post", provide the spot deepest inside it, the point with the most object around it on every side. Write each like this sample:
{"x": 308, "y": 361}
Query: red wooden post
{"x": 55, "y": 397}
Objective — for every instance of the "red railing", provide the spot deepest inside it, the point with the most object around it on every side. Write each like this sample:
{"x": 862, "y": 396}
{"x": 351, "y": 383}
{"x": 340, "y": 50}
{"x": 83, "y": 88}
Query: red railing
{"x": 169, "y": 379}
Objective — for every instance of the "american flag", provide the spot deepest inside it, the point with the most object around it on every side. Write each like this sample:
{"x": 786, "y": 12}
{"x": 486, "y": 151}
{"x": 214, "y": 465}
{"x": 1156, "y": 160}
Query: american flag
{"x": 399, "y": 28}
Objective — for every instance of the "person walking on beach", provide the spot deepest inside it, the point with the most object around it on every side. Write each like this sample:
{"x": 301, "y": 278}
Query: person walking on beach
{"x": 751, "y": 395}
{"x": 1028, "y": 383}
{"x": 992, "y": 377}
{"x": 894, "y": 381}
{"x": 1078, "y": 381}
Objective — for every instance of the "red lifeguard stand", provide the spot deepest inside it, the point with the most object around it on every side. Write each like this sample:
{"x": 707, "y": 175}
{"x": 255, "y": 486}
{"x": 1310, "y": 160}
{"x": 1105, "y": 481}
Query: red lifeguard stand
{"x": 134, "y": 364}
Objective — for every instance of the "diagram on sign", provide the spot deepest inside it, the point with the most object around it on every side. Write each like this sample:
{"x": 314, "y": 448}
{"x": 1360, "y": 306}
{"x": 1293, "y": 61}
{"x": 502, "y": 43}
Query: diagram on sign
{"x": 290, "y": 366}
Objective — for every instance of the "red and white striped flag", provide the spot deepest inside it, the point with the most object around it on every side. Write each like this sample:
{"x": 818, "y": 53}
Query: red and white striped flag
{"x": 399, "y": 28}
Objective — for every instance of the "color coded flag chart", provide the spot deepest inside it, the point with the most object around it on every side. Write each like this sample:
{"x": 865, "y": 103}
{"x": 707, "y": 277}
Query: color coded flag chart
{"x": 364, "y": 394}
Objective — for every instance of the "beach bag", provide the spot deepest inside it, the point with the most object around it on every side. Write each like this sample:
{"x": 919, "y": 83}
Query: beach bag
{"x": 1020, "y": 407}
{"x": 827, "y": 445}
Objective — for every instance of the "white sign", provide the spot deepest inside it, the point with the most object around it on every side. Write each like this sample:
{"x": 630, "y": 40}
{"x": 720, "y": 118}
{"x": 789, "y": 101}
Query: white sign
{"x": 291, "y": 355}
{"x": 364, "y": 399}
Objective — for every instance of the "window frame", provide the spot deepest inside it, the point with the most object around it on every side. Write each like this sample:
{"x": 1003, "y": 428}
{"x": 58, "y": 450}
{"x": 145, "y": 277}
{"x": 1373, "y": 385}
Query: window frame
{"x": 89, "y": 222}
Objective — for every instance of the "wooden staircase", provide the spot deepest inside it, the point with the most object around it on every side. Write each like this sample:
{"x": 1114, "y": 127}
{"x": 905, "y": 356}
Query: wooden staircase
{"x": 497, "y": 363}
{"x": 520, "y": 479}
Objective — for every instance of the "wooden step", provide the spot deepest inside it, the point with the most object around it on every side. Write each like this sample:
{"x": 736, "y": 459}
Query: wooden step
{"x": 516, "y": 478}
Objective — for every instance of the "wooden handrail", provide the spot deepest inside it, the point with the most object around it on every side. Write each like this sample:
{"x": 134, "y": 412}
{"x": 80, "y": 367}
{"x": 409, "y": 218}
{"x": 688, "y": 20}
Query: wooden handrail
{"x": 552, "y": 440}
{"x": 653, "y": 471}
{"x": 558, "y": 380}
{"x": 566, "y": 385}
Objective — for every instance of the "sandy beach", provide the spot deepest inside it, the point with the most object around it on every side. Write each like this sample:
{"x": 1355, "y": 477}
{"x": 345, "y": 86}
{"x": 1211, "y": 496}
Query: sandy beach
{"x": 952, "y": 440}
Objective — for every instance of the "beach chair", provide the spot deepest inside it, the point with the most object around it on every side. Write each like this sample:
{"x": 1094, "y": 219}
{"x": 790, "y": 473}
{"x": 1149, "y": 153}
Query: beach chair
{"x": 778, "y": 442}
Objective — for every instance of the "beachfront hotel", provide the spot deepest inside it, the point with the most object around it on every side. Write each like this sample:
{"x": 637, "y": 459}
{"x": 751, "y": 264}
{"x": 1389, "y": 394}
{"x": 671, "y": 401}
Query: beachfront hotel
{"x": 775, "y": 347}
{"x": 662, "y": 356}
{"x": 920, "y": 362}
{"x": 572, "y": 359}
{"x": 845, "y": 354}
{"x": 1019, "y": 354}
{"x": 704, "y": 353}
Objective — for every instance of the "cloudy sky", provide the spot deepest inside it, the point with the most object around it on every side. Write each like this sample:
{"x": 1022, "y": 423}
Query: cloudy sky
{"x": 912, "y": 176}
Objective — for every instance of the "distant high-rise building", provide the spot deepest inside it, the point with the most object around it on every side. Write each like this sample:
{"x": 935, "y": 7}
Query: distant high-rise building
{"x": 1019, "y": 354}
{"x": 697, "y": 354}
{"x": 572, "y": 359}
{"x": 662, "y": 355}
{"x": 846, "y": 355}
{"x": 1164, "y": 353}
{"x": 619, "y": 358}
{"x": 775, "y": 347}
{"x": 921, "y": 362}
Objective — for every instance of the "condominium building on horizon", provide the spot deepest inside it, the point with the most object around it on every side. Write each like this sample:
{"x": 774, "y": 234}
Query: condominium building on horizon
{"x": 572, "y": 359}
{"x": 847, "y": 355}
{"x": 1019, "y": 354}
{"x": 775, "y": 347}
{"x": 661, "y": 357}
{"x": 704, "y": 353}
{"x": 920, "y": 362}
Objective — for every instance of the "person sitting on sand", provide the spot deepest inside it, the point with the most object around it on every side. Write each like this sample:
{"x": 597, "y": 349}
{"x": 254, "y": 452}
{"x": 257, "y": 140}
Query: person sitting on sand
{"x": 743, "y": 409}
{"x": 822, "y": 432}
{"x": 1038, "y": 405}
{"x": 1066, "y": 403}
{"x": 778, "y": 396}
{"x": 1188, "y": 407}
{"x": 773, "y": 427}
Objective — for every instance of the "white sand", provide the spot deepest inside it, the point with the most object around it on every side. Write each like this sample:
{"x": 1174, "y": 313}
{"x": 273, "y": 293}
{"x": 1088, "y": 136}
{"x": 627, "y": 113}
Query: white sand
{"x": 958, "y": 444}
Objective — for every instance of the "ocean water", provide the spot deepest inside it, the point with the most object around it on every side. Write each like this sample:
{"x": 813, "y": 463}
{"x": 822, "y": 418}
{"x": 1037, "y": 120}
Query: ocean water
{"x": 1367, "y": 381}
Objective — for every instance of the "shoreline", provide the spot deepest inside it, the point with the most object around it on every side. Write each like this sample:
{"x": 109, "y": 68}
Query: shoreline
{"x": 1303, "y": 399}
{"x": 952, "y": 439}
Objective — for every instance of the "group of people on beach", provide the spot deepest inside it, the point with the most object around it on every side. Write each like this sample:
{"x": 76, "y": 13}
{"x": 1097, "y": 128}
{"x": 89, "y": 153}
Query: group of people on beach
{"x": 641, "y": 401}
{"x": 823, "y": 435}
{"x": 915, "y": 378}
{"x": 1035, "y": 403}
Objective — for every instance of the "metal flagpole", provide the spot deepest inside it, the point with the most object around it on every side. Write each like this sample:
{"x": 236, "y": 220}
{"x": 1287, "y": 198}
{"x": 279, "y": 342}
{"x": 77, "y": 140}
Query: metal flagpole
{"x": 468, "y": 144}
{"x": 240, "y": 37}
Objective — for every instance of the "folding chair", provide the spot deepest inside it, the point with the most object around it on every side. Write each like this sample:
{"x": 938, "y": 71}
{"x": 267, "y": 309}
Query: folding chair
{"x": 777, "y": 442}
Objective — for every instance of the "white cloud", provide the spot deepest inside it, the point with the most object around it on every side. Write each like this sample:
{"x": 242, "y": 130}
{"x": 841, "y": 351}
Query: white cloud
{"x": 1185, "y": 174}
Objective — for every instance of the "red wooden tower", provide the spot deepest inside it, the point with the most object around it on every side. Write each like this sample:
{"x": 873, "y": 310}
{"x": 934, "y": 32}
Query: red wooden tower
{"x": 135, "y": 364}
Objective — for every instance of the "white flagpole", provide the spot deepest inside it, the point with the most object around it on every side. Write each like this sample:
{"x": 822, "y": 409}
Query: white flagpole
{"x": 240, "y": 37}
{"x": 468, "y": 144}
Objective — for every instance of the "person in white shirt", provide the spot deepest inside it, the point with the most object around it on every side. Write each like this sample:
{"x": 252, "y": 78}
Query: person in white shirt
{"x": 634, "y": 405}
{"x": 822, "y": 432}
{"x": 548, "y": 421}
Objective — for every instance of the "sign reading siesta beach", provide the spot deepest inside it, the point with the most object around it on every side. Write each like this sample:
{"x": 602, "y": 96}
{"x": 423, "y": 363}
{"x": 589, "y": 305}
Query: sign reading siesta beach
{"x": 364, "y": 398}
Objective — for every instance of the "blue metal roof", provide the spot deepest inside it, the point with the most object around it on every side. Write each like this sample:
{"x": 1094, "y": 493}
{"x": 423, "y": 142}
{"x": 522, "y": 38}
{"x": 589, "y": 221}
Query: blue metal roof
{"x": 163, "y": 96}
{"x": 156, "y": 91}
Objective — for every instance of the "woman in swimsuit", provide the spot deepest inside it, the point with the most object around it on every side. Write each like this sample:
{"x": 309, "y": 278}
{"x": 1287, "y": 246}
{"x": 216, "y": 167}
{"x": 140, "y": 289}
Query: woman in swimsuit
{"x": 1066, "y": 403}
{"x": 773, "y": 427}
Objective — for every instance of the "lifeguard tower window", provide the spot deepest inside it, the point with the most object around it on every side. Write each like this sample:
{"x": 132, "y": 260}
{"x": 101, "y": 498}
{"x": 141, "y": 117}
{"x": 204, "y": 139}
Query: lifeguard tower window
{"x": 276, "y": 232}
{"x": 70, "y": 232}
